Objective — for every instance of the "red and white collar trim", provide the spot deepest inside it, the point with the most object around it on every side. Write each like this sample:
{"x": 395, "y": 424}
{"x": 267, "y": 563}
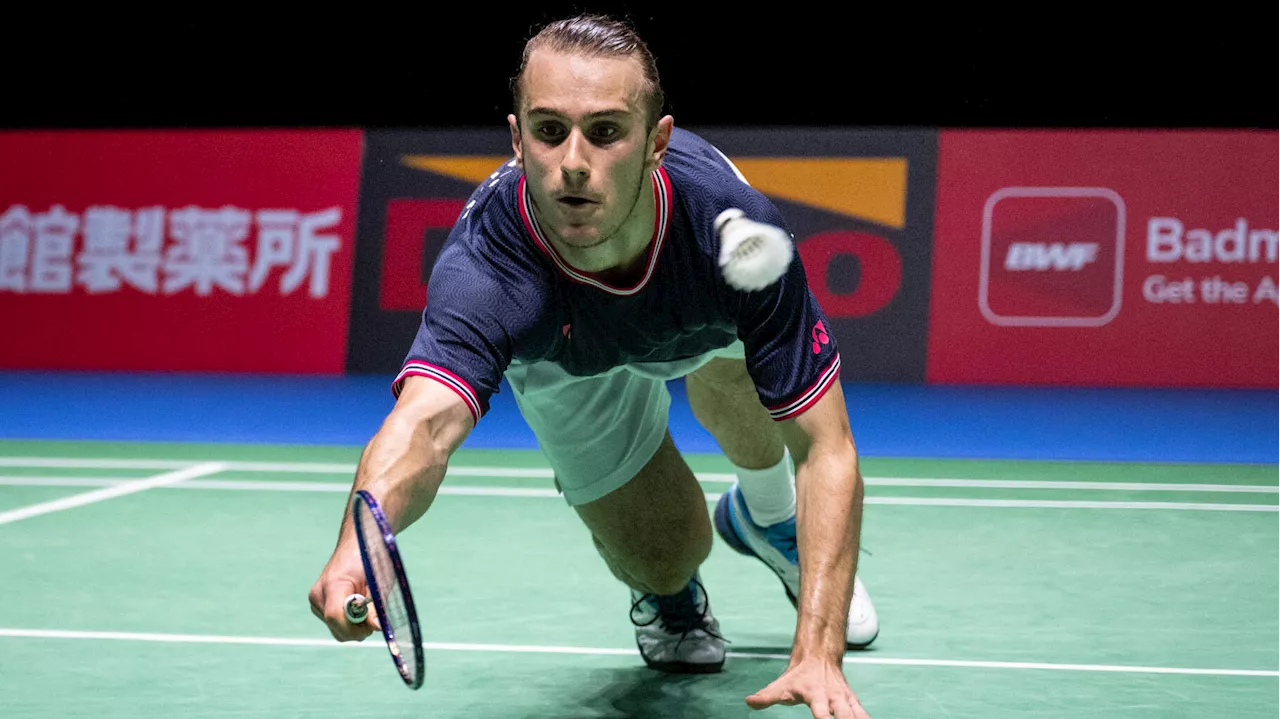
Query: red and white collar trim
{"x": 661, "y": 220}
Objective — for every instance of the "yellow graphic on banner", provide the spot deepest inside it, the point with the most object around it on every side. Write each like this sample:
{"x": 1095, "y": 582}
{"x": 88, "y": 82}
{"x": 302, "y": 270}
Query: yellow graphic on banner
{"x": 873, "y": 189}
{"x": 472, "y": 168}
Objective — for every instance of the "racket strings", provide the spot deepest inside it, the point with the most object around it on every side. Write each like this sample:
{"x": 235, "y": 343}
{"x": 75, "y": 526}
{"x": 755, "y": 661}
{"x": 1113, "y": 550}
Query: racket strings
{"x": 396, "y": 623}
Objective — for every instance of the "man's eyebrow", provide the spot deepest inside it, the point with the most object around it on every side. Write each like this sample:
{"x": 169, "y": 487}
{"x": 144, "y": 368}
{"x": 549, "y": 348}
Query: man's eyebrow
{"x": 590, "y": 116}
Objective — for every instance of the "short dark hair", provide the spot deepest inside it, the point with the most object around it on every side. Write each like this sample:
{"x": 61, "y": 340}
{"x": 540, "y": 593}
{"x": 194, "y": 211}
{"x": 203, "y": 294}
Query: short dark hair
{"x": 596, "y": 35}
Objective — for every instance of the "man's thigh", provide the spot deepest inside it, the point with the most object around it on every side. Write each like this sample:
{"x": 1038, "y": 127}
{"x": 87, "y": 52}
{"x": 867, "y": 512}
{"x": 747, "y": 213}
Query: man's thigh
{"x": 599, "y": 432}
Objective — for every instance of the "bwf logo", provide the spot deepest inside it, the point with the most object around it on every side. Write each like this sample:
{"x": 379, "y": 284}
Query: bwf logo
{"x": 1040, "y": 256}
{"x": 1052, "y": 257}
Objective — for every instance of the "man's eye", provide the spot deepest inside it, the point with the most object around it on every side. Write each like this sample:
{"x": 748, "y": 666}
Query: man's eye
{"x": 550, "y": 132}
{"x": 605, "y": 132}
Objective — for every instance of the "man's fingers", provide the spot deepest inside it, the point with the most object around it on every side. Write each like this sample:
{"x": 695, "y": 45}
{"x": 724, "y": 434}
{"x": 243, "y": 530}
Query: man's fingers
{"x": 822, "y": 689}
{"x": 843, "y": 707}
{"x": 336, "y": 592}
{"x": 820, "y": 706}
{"x": 769, "y": 696}
{"x": 345, "y": 631}
{"x": 315, "y": 598}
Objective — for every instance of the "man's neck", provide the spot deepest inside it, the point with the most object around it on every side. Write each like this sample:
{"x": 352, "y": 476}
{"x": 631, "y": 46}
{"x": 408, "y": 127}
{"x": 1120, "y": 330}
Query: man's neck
{"x": 623, "y": 253}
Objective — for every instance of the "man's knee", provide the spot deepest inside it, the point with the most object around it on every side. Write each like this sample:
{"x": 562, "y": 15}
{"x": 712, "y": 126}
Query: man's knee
{"x": 654, "y": 531}
{"x": 723, "y": 395}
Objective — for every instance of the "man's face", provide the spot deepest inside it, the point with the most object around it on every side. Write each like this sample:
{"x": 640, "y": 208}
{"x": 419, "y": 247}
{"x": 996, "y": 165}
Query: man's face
{"x": 582, "y": 142}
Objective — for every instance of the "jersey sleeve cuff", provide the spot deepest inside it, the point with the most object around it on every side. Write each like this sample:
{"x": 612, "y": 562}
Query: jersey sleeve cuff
{"x": 446, "y": 378}
{"x": 806, "y": 399}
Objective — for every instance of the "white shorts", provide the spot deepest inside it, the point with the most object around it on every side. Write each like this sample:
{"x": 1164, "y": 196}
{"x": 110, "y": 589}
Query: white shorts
{"x": 598, "y": 432}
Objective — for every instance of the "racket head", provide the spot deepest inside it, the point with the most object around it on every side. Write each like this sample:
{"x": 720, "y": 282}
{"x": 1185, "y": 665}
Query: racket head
{"x": 389, "y": 588}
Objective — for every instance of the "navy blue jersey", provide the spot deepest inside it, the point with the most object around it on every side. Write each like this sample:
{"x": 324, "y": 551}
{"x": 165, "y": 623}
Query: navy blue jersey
{"x": 499, "y": 293}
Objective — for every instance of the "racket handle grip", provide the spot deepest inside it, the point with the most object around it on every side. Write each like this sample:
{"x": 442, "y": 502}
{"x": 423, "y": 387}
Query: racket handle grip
{"x": 357, "y": 608}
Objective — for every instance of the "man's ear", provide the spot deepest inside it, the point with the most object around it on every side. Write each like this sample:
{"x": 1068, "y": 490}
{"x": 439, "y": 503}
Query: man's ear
{"x": 659, "y": 142}
{"x": 516, "y": 146}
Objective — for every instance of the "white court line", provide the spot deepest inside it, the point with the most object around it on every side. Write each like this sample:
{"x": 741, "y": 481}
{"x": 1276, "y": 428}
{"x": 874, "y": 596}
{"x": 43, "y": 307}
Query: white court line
{"x": 923, "y": 501}
{"x": 50, "y": 481}
{"x": 549, "y": 493}
{"x": 1069, "y": 504}
{"x": 116, "y": 490}
{"x": 69, "y": 463}
{"x": 248, "y": 485}
{"x": 712, "y": 477}
{"x": 594, "y": 651}
{"x": 1055, "y": 484}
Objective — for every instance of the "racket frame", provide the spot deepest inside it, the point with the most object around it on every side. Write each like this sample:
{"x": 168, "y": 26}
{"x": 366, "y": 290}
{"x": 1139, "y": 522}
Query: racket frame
{"x": 414, "y": 680}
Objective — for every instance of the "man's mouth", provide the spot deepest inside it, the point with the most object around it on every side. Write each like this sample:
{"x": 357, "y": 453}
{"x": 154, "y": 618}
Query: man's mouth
{"x": 574, "y": 201}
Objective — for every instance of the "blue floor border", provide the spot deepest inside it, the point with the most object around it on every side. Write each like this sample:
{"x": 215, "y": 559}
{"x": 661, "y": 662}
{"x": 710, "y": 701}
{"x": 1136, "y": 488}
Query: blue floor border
{"x": 1037, "y": 423}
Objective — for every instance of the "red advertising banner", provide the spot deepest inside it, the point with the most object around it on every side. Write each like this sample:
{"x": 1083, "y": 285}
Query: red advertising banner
{"x": 1105, "y": 258}
{"x": 177, "y": 250}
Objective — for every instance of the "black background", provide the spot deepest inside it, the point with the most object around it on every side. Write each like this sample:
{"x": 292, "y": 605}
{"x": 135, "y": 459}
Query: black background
{"x": 434, "y": 65}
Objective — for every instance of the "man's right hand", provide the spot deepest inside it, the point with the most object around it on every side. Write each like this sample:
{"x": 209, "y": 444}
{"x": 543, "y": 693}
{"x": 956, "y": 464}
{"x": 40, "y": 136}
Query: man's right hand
{"x": 342, "y": 577}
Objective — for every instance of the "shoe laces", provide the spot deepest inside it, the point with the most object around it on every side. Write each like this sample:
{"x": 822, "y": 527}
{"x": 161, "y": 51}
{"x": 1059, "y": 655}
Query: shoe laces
{"x": 678, "y": 613}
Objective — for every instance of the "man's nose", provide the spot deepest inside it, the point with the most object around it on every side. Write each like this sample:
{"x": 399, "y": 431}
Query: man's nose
{"x": 575, "y": 165}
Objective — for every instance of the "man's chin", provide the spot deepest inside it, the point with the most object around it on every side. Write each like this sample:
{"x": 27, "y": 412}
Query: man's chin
{"x": 579, "y": 237}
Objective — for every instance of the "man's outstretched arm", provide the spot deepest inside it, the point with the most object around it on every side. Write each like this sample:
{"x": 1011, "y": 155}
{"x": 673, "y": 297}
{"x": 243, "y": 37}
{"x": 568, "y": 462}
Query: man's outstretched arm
{"x": 829, "y": 493}
{"x": 402, "y": 467}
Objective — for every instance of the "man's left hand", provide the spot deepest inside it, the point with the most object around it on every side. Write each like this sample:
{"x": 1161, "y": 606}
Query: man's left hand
{"x": 818, "y": 683}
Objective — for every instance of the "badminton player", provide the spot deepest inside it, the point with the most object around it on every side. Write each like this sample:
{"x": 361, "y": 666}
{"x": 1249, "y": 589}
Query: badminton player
{"x": 588, "y": 272}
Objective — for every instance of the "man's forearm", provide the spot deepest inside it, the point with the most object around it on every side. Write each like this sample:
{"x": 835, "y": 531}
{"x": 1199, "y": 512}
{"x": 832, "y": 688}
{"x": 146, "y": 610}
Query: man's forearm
{"x": 829, "y": 495}
{"x": 402, "y": 467}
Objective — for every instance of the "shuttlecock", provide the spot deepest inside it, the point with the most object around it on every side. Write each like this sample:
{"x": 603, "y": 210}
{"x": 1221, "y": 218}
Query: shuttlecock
{"x": 753, "y": 255}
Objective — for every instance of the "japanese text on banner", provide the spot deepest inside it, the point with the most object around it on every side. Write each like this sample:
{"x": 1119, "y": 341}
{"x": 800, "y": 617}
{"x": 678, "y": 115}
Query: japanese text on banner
{"x": 160, "y": 250}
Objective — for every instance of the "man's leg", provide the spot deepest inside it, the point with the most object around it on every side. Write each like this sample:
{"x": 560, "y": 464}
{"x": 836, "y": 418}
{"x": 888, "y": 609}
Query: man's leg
{"x": 724, "y": 401}
{"x": 756, "y": 516}
{"x": 654, "y": 531}
{"x": 606, "y": 439}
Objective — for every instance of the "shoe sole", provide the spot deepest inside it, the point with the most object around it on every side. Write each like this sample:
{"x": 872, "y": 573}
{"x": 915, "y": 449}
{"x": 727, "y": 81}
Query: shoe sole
{"x": 724, "y": 528}
{"x": 684, "y": 667}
